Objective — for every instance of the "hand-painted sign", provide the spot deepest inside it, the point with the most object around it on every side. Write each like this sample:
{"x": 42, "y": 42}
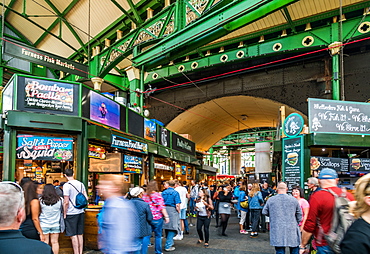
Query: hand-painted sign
{"x": 330, "y": 116}
{"x": 132, "y": 164}
{"x": 44, "y": 148}
{"x": 293, "y": 161}
{"x": 128, "y": 144}
{"x": 293, "y": 125}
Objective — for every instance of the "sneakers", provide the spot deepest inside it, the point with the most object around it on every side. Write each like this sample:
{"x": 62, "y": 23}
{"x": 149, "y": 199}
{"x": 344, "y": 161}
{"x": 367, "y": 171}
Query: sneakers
{"x": 178, "y": 238}
{"x": 243, "y": 232}
{"x": 170, "y": 249}
{"x": 254, "y": 235}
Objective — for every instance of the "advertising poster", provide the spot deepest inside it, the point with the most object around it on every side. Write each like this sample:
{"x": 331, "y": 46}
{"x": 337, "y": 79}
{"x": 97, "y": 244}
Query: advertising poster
{"x": 104, "y": 110}
{"x": 48, "y": 95}
{"x": 31, "y": 147}
{"x": 293, "y": 161}
{"x": 132, "y": 164}
{"x": 339, "y": 164}
{"x": 97, "y": 152}
{"x": 360, "y": 164}
{"x": 183, "y": 170}
{"x": 178, "y": 170}
{"x": 164, "y": 138}
{"x": 150, "y": 130}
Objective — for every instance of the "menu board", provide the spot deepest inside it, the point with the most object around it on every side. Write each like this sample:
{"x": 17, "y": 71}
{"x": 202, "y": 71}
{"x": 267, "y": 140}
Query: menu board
{"x": 330, "y": 116}
{"x": 338, "y": 164}
{"x": 359, "y": 164}
{"x": 132, "y": 164}
{"x": 293, "y": 161}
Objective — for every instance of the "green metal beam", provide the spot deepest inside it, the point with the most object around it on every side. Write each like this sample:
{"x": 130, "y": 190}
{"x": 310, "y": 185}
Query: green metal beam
{"x": 136, "y": 13}
{"x": 322, "y": 37}
{"x": 69, "y": 26}
{"x": 207, "y": 29}
{"x": 56, "y": 22}
{"x": 39, "y": 26}
{"x": 288, "y": 18}
{"x": 20, "y": 35}
{"x": 125, "y": 12}
{"x": 11, "y": 3}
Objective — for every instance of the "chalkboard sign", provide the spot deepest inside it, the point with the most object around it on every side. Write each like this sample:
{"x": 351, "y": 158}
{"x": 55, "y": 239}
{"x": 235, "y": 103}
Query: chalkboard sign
{"x": 338, "y": 164}
{"x": 329, "y": 116}
{"x": 293, "y": 161}
{"x": 359, "y": 164}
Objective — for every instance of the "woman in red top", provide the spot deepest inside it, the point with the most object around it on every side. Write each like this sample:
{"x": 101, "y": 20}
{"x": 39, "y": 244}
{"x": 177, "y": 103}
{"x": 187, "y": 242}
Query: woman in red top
{"x": 158, "y": 209}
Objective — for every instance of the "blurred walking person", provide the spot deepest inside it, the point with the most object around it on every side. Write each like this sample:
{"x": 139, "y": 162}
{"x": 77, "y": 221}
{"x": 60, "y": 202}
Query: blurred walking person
{"x": 117, "y": 219}
{"x": 31, "y": 226}
{"x": 243, "y": 211}
{"x": 255, "y": 206}
{"x": 143, "y": 213}
{"x": 204, "y": 206}
{"x": 285, "y": 214}
{"x": 158, "y": 209}
{"x": 357, "y": 237}
{"x": 172, "y": 201}
{"x": 51, "y": 212}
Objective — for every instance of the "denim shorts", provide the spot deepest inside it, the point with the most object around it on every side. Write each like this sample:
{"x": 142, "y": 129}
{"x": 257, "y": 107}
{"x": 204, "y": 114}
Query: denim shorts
{"x": 50, "y": 230}
{"x": 183, "y": 214}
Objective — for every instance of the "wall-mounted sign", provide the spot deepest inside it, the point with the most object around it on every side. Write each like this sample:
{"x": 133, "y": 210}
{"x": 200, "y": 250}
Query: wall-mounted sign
{"x": 177, "y": 169}
{"x": 132, "y": 164}
{"x": 163, "y": 166}
{"x": 44, "y": 148}
{"x": 97, "y": 152}
{"x": 104, "y": 110}
{"x": 183, "y": 170}
{"x": 112, "y": 163}
{"x": 293, "y": 161}
{"x": 182, "y": 144}
{"x": 339, "y": 164}
{"x": 293, "y": 125}
{"x": 345, "y": 117}
{"x": 359, "y": 164}
{"x": 150, "y": 130}
{"x": 164, "y": 138}
{"x": 128, "y": 144}
{"x": 34, "y": 55}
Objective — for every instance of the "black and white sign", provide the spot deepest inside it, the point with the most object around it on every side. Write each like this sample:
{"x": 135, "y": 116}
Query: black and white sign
{"x": 34, "y": 55}
{"x": 293, "y": 161}
{"x": 329, "y": 116}
{"x": 182, "y": 144}
{"x": 164, "y": 138}
{"x": 338, "y": 164}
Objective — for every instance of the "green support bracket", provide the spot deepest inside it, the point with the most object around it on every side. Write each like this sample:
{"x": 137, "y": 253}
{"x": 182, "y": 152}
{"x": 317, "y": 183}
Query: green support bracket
{"x": 180, "y": 15}
{"x": 9, "y": 156}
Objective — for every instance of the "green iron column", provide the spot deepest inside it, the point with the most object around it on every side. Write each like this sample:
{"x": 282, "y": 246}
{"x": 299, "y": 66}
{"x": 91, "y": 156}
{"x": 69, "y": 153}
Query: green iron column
{"x": 83, "y": 155}
{"x": 335, "y": 47}
{"x": 136, "y": 89}
{"x": 151, "y": 167}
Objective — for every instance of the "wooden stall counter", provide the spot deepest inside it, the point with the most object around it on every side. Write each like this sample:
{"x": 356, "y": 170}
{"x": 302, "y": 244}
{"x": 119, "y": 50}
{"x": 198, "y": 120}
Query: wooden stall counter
{"x": 90, "y": 233}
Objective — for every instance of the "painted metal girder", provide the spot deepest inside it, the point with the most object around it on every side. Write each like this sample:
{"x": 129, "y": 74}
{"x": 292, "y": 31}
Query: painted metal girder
{"x": 163, "y": 31}
{"x": 208, "y": 28}
{"x": 305, "y": 41}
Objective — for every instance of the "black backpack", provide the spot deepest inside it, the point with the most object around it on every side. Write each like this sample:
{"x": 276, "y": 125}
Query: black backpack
{"x": 81, "y": 201}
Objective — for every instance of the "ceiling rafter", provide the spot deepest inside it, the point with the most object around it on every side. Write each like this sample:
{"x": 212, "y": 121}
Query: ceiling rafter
{"x": 6, "y": 13}
{"x": 125, "y": 12}
{"x": 288, "y": 18}
{"x": 73, "y": 31}
{"x": 42, "y": 28}
{"x": 136, "y": 13}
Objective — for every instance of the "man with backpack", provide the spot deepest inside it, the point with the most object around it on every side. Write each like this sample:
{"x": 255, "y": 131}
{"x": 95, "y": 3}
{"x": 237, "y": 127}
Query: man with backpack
{"x": 323, "y": 207}
{"x": 75, "y": 199}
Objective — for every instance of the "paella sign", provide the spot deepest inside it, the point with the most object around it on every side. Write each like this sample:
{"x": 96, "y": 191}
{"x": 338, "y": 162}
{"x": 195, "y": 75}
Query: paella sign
{"x": 31, "y": 147}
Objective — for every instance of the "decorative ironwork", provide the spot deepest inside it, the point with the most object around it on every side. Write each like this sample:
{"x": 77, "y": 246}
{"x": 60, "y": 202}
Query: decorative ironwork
{"x": 190, "y": 15}
{"x": 157, "y": 27}
{"x": 170, "y": 27}
{"x": 199, "y": 5}
{"x": 143, "y": 37}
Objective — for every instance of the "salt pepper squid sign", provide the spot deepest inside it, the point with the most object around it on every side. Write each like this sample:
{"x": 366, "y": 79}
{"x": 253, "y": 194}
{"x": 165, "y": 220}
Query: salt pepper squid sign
{"x": 31, "y": 147}
{"x": 340, "y": 117}
{"x": 293, "y": 125}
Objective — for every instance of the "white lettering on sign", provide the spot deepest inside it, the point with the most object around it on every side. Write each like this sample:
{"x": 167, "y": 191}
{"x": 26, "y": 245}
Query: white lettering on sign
{"x": 184, "y": 145}
{"x": 128, "y": 144}
{"x": 33, "y": 155}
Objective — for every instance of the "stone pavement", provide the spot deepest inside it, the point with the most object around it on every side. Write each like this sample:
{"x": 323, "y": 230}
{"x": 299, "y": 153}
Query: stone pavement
{"x": 234, "y": 243}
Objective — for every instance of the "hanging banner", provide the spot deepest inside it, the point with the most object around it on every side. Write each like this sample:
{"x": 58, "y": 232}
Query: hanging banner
{"x": 133, "y": 164}
{"x": 293, "y": 161}
{"x": 128, "y": 144}
{"x": 44, "y": 148}
{"x": 345, "y": 117}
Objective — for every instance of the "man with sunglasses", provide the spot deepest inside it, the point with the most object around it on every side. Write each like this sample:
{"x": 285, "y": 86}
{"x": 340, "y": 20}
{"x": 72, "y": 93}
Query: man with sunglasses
{"x": 12, "y": 214}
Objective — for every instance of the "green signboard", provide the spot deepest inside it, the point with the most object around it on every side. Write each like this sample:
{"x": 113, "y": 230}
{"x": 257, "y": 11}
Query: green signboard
{"x": 293, "y": 161}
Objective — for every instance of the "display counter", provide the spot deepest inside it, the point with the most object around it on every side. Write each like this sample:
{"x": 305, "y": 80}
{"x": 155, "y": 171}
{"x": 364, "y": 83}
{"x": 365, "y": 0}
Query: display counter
{"x": 90, "y": 233}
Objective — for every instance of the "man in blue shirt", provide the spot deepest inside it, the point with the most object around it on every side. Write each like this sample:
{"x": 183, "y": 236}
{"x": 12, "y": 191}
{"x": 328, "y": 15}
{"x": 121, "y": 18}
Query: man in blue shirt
{"x": 172, "y": 201}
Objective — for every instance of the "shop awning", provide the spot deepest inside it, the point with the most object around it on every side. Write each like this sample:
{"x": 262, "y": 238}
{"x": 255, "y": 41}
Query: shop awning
{"x": 225, "y": 176}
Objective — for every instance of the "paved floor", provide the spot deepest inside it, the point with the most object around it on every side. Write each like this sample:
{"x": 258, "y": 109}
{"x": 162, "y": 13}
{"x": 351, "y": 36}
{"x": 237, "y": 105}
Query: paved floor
{"x": 235, "y": 243}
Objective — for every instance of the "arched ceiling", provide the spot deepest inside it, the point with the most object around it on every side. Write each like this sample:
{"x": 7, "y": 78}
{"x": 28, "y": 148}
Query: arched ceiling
{"x": 211, "y": 121}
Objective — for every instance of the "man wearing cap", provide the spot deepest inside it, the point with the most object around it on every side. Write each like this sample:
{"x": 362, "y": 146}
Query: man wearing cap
{"x": 321, "y": 209}
{"x": 172, "y": 201}
{"x": 144, "y": 216}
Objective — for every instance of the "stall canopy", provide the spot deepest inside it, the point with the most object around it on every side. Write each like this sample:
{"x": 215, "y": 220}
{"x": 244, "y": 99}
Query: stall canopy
{"x": 224, "y": 176}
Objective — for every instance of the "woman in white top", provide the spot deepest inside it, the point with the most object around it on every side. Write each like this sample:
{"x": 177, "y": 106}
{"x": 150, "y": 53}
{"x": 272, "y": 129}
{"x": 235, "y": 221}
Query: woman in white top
{"x": 203, "y": 205}
{"x": 51, "y": 207}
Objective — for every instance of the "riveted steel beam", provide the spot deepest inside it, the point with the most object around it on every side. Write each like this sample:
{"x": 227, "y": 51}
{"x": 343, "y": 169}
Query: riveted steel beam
{"x": 304, "y": 41}
{"x": 136, "y": 13}
{"x": 124, "y": 12}
{"x": 208, "y": 28}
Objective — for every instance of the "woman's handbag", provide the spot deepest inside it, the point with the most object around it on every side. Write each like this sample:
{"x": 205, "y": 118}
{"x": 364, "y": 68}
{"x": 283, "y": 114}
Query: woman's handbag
{"x": 244, "y": 204}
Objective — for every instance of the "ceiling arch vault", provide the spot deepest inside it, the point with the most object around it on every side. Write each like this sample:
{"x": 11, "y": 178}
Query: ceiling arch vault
{"x": 213, "y": 120}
